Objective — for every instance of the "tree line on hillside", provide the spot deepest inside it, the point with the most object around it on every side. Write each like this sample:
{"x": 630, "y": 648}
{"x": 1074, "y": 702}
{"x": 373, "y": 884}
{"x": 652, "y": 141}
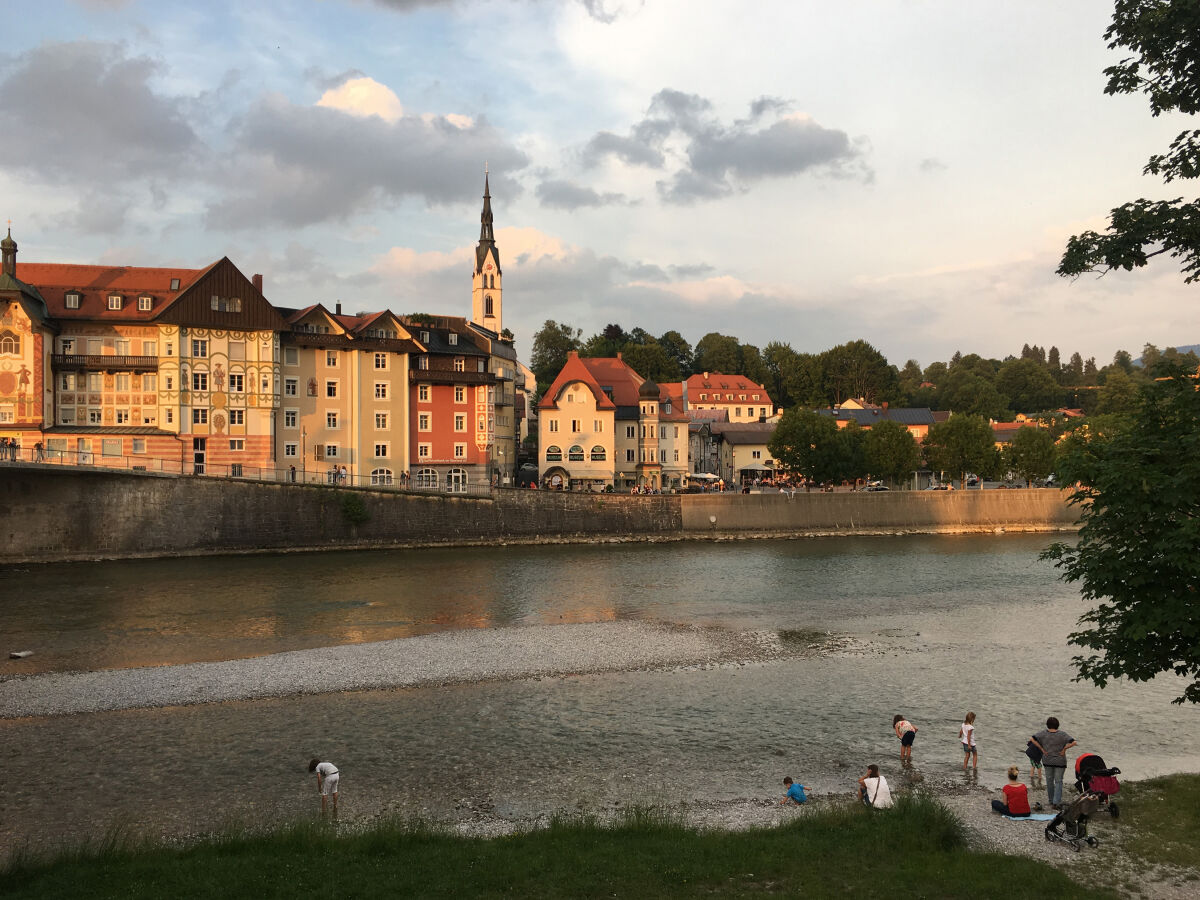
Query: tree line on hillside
{"x": 1037, "y": 380}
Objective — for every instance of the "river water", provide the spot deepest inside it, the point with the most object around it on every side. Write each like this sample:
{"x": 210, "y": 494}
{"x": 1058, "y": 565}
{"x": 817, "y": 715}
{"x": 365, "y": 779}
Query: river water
{"x": 929, "y": 627}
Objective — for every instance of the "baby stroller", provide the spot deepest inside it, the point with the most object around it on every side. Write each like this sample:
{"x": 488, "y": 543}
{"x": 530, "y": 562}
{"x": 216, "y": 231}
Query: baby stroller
{"x": 1092, "y": 775}
{"x": 1070, "y": 825}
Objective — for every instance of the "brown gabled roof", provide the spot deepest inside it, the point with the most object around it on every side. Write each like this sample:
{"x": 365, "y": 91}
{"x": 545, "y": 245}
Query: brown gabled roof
{"x": 96, "y": 283}
{"x": 576, "y": 370}
{"x": 716, "y": 382}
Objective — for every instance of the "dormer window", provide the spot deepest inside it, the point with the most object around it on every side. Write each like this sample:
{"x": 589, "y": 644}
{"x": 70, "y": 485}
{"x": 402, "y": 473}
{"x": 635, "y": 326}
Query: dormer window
{"x": 145, "y": 303}
{"x": 226, "y": 304}
{"x": 424, "y": 337}
{"x": 460, "y": 364}
{"x": 174, "y": 284}
{"x": 72, "y": 300}
{"x": 453, "y": 339}
{"x": 115, "y": 301}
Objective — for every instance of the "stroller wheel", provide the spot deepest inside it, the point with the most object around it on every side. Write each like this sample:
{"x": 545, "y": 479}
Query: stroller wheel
{"x": 1114, "y": 810}
{"x": 1077, "y": 845}
{"x": 1092, "y": 842}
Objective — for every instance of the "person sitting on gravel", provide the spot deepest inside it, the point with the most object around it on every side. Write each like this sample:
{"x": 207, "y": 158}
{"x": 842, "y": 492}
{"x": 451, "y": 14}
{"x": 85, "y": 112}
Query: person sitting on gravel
{"x": 327, "y": 782}
{"x": 793, "y": 792}
{"x": 1016, "y": 797}
{"x": 873, "y": 789}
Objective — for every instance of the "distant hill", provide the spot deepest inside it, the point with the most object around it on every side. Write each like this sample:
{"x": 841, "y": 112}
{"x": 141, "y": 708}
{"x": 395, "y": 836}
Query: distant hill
{"x": 1188, "y": 348}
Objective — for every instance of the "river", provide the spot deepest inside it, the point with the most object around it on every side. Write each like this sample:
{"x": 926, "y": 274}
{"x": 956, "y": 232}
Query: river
{"x": 926, "y": 626}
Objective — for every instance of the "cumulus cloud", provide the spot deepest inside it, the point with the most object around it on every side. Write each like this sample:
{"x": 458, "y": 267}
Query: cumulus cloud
{"x": 364, "y": 96}
{"x": 718, "y": 159}
{"x": 559, "y": 194}
{"x": 86, "y": 112}
{"x": 931, "y": 164}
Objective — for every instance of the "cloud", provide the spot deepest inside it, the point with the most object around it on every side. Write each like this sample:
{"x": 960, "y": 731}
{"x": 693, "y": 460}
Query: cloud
{"x": 931, "y": 165}
{"x": 718, "y": 159}
{"x": 297, "y": 165}
{"x": 559, "y": 194}
{"x": 85, "y": 112}
{"x": 606, "y": 11}
{"x": 364, "y": 97}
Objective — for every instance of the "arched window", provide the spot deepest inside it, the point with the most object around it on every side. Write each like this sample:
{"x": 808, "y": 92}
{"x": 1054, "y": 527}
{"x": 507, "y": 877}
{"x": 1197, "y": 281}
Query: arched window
{"x": 553, "y": 453}
{"x": 426, "y": 478}
{"x": 598, "y": 454}
{"x": 575, "y": 454}
{"x": 381, "y": 476}
{"x": 10, "y": 344}
{"x": 487, "y": 305}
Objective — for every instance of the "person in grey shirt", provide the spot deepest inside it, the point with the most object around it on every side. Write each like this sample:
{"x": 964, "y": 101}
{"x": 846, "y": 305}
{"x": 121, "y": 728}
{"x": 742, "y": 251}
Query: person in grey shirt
{"x": 1054, "y": 745}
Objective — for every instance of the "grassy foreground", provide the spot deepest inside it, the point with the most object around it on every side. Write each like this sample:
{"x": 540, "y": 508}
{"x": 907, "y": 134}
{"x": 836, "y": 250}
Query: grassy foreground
{"x": 914, "y": 850}
{"x": 1160, "y": 819}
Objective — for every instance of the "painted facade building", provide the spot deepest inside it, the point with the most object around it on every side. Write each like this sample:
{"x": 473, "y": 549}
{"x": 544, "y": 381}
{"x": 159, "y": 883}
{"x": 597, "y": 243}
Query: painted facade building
{"x": 737, "y": 395}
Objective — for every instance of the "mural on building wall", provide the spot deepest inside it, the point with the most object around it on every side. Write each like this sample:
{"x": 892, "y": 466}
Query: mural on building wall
{"x": 20, "y": 387}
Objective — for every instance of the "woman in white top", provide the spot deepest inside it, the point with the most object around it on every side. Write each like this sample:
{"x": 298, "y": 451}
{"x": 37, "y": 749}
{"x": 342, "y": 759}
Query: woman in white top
{"x": 966, "y": 734}
{"x": 873, "y": 789}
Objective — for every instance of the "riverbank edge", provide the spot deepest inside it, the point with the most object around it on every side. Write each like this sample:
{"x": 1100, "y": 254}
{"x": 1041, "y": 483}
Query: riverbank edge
{"x": 575, "y": 539}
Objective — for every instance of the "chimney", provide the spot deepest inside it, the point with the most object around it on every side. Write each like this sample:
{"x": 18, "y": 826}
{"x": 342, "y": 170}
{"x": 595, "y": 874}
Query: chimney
{"x": 257, "y": 282}
{"x": 572, "y": 354}
{"x": 706, "y": 376}
{"x": 337, "y": 307}
{"x": 619, "y": 355}
{"x": 885, "y": 404}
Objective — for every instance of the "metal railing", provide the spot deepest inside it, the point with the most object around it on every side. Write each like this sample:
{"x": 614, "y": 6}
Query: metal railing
{"x": 104, "y": 363}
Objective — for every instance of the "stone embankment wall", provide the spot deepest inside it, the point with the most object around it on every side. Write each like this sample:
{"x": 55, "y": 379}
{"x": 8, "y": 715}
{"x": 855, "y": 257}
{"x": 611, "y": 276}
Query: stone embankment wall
{"x": 60, "y": 514}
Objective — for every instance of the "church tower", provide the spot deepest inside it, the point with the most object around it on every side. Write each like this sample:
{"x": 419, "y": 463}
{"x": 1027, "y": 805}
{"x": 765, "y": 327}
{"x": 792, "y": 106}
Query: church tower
{"x": 486, "y": 290}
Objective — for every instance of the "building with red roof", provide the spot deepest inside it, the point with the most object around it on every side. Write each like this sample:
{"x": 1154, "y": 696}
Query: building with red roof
{"x": 743, "y": 399}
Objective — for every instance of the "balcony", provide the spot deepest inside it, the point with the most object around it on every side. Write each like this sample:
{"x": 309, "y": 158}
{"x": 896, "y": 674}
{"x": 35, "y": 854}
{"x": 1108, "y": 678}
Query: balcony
{"x": 505, "y": 398}
{"x": 449, "y": 376}
{"x": 80, "y": 362}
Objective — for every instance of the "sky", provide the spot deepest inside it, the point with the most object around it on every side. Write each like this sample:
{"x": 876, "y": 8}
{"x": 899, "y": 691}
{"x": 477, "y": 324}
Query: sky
{"x": 904, "y": 172}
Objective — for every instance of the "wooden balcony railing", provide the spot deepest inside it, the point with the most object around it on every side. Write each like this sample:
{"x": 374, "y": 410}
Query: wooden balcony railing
{"x": 80, "y": 362}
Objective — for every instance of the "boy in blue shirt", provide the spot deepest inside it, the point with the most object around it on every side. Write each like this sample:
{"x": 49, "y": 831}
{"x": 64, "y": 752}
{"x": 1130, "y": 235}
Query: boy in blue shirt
{"x": 795, "y": 792}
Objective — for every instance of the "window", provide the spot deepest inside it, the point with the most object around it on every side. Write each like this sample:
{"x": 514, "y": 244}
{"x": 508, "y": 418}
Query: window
{"x": 460, "y": 422}
{"x": 629, "y": 456}
{"x": 552, "y": 426}
{"x": 453, "y": 338}
{"x": 121, "y": 347}
{"x": 170, "y": 348}
{"x": 424, "y": 337}
{"x": 763, "y": 412}
{"x": 291, "y": 449}
{"x": 426, "y": 478}
{"x": 422, "y": 362}
{"x": 662, "y": 456}
{"x": 150, "y": 417}
{"x": 553, "y": 453}
{"x": 149, "y": 348}
{"x": 95, "y": 381}
{"x": 331, "y": 451}
{"x": 67, "y": 347}
{"x": 676, "y": 456}
{"x": 122, "y": 417}
{"x": 676, "y": 432}
{"x": 331, "y": 358}
{"x": 381, "y": 476}
{"x": 67, "y": 381}
{"x": 756, "y": 454}
{"x": 72, "y": 299}
{"x": 575, "y": 454}
{"x": 237, "y": 417}
{"x": 237, "y": 349}
{"x": 66, "y": 415}
{"x": 10, "y": 344}
{"x": 424, "y": 421}
{"x": 630, "y": 431}
{"x": 199, "y": 381}
{"x": 381, "y": 421}
{"x": 381, "y": 390}
{"x": 174, "y": 284}
{"x": 423, "y": 451}
{"x": 575, "y": 429}
{"x": 598, "y": 454}
{"x": 460, "y": 394}
{"x": 737, "y": 411}
{"x": 381, "y": 451}
{"x": 756, "y": 397}
{"x": 170, "y": 383}
{"x": 236, "y": 383}
{"x": 114, "y": 302}
{"x": 139, "y": 446}
{"x": 291, "y": 418}
{"x": 199, "y": 348}
{"x": 331, "y": 419}
{"x": 237, "y": 445}
{"x": 598, "y": 426}
{"x": 331, "y": 389}
{"x": 423, "y": 393}
{"x": 266, "y": 384}
{"x": 170, "y": 416}
{"x": 289, "y": 387}
{"x": 150, "y": 382}
{"x": 381, "y": 361}
{"x": 235, "y": 470}
{"x": 704, "y": 396}
{"x": 145, "y": 303}
{"x": 460, "y": 451}
{"x": 460, "y": 364}
{"x": 110, "y": 447}
{"x": 662, "y": 432}
{"x": 291, "y": 356}
{"x": 199, "y": 416}
{"x": 741, "y": 396}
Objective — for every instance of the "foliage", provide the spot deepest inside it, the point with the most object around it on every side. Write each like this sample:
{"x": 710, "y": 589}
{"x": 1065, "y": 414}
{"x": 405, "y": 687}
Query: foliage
{"x": 1031, "y": 453}
{"x": 892, "y": 451}
{"x": 718, "y": 353}
{"x": 1164, "y": 38}
{"x": 1028, "y": 385}
{"x": 678, "y": 351}
{"x": 972, "y": 395}
{"x": 1139, "y": 499}
{"x": 354, "y": 510}
{"x": 961, "y": 444}
{"x": 807, "y": 443}
{"x": 550, "y": 348}
{"x": 645, "y": 852}
{"x": 1118, "y": 394}
{"x": 858, "y": 370}
{"x": 850, "y": 452}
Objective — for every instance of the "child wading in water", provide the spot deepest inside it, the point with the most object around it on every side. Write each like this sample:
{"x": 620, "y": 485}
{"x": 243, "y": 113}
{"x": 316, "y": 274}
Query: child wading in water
{"x": 906, "y": 731}
{"x": 966, "y": 734}
{"x": 327, "y": 782}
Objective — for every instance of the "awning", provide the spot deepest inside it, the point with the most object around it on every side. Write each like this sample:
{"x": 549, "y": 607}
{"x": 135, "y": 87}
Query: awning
{"x": 702, "y": 476}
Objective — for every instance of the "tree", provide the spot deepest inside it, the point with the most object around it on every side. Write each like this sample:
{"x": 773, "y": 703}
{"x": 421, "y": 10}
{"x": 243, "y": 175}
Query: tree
{"x": 1164, "y": 37}
{"x": 651, "y": 361}
{"x": 961, "y": 444}
{"x": 1031, "y": 453}
{"x": 550, "y": 348}
{"x": 779, "y": 359}
{"x": 1123, "y": 360}
{"x": 1139, "y": 500}
{"x": 1118, "y": 394}
{"x": 967, "y": 393}
{"x": 858, "y": 370}
{"x": 850, "y": 452}
{"x": 718, "y": 353}
{"x": 892, "y": 451}
{"x": 1028, "y": 386}
{"x": 807, "y": 443}
{"x": 679, "y": 350}
{"x": 753, "y": 366}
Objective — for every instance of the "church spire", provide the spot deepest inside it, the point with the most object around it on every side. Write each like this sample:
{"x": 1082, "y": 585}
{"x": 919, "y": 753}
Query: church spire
{"x": 485, "y": 218}
{"x": 486, "y": 287}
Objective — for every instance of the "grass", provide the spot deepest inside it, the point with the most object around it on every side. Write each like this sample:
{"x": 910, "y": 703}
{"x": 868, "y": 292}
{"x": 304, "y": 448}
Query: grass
{"x": 1160, "y": 820}
{"x": 915, "y": 850}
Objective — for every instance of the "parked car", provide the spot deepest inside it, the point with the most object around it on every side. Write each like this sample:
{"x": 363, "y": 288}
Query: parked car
{"x": 937, "y": 487}
{"x": 972, "y": 479}
{"x": 877, "y": 487}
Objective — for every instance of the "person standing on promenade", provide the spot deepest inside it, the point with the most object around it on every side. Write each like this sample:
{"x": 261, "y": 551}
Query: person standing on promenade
{"x": 327, "y": 782}
{"x": 906, "y": 731}
{"x": 966, "y": 734}
{"x": 1054, "y": 745}
{"x": 793, "y": 792}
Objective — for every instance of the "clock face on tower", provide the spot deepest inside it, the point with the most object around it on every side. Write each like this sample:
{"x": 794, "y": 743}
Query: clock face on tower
{"x": 488, "y": 267}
